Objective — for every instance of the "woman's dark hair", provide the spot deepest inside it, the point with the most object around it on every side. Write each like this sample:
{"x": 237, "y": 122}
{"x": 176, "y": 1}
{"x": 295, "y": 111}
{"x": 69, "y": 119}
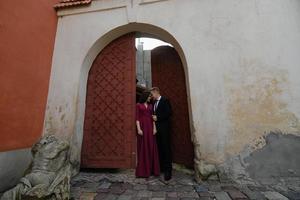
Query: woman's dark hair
{"x": 143, "y": 98}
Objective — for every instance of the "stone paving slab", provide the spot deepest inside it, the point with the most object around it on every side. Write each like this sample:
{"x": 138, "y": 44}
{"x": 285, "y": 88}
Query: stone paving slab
{"x": 123, "y": 185}
{"x": 252, "y": 195}
{"x": 201, "y": 188}
{"x": 237, "y": 195}
{"x": 88, "y": 196}
{"x": 271, "y": 195}
{"x": 215, "y": 188}
{"x": 222, "y": 196}
{"x": 159, "y": 194}
{"x": 291, "y": 195}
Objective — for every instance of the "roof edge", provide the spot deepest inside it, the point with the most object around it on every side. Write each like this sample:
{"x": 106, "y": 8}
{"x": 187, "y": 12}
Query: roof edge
{"x": 71, "y": 3}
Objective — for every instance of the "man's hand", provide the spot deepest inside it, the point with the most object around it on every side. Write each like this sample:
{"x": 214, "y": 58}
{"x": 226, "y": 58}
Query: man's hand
{"x": 154, "y": 117}
{"x": 154, "y": 131}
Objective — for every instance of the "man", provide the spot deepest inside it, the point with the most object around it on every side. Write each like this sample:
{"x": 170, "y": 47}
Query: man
{"x": 161, "y": 116}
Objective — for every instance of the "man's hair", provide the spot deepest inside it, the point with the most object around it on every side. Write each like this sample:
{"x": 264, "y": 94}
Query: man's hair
{"x": 155, "y": 89}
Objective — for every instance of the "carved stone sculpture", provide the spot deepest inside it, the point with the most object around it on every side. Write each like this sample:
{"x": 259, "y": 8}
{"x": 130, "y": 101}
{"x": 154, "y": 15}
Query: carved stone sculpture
{"x": 48, "y": 176}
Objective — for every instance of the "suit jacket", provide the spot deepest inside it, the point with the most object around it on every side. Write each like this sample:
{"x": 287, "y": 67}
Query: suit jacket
{"x": 163, "y": 111}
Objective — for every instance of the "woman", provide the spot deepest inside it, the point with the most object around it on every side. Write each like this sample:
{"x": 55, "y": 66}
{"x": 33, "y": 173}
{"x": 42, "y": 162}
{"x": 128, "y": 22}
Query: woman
{"x": 147, "y": 153}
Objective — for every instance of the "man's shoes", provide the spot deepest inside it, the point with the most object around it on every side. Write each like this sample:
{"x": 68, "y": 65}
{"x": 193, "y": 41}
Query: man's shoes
{"x": 168, "y": 176}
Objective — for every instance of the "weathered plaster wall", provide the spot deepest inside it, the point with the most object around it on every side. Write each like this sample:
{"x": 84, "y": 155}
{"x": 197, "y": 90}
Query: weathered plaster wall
{"x": 241, "y": 62}
{"x": 278, "y": 158}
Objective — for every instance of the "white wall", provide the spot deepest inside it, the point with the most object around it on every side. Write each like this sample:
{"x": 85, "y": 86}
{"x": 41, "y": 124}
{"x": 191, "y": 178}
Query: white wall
{"x": 241, "y": 59}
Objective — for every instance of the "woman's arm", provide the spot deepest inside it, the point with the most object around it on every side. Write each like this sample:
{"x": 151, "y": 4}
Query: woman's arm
{"x": 154, "y": 128}
{"x": 138, "y": 126}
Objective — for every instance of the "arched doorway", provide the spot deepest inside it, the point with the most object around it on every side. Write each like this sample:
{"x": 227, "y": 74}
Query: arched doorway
{"x": 96, "y": 151}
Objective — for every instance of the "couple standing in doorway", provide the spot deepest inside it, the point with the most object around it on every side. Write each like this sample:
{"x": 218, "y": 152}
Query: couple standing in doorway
{"x": 153, "y": 113}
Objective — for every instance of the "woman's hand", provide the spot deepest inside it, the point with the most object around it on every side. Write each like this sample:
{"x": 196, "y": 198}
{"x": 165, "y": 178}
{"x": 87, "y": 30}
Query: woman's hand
{"x": 140, "y": 132}
{"x": 154, "y": 131}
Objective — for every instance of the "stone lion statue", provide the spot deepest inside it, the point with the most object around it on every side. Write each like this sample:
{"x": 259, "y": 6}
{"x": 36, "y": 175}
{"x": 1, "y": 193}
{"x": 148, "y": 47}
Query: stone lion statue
{"x": 49, "y": 175}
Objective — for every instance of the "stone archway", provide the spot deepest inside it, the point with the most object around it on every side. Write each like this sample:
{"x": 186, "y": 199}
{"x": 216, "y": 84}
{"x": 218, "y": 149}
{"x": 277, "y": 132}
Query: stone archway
{"x": 67, "y": 92}
{"x": 144, "y": 30}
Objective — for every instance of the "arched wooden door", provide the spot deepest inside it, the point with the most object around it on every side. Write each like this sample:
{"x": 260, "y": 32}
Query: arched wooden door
{"x": 109, "y": 124}
{"x": 168, "y": 75}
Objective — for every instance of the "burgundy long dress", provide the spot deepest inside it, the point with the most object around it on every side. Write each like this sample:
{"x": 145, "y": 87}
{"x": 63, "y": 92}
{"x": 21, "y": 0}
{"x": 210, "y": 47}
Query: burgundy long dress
{"x": 147, "y": 153}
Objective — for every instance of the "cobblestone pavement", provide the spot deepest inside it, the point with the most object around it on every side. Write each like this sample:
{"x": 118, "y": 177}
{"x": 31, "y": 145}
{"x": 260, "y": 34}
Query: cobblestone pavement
{"x": 122, "y": 185}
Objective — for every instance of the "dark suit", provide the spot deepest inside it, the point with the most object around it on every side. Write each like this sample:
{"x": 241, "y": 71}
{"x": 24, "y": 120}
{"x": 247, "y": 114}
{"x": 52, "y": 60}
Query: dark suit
{"x": 163, "y": 112}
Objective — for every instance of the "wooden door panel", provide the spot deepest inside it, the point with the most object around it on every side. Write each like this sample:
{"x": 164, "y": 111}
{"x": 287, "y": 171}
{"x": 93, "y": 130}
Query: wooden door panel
{"x": 109, "y": 128}
{"x": 168, "y": 75}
